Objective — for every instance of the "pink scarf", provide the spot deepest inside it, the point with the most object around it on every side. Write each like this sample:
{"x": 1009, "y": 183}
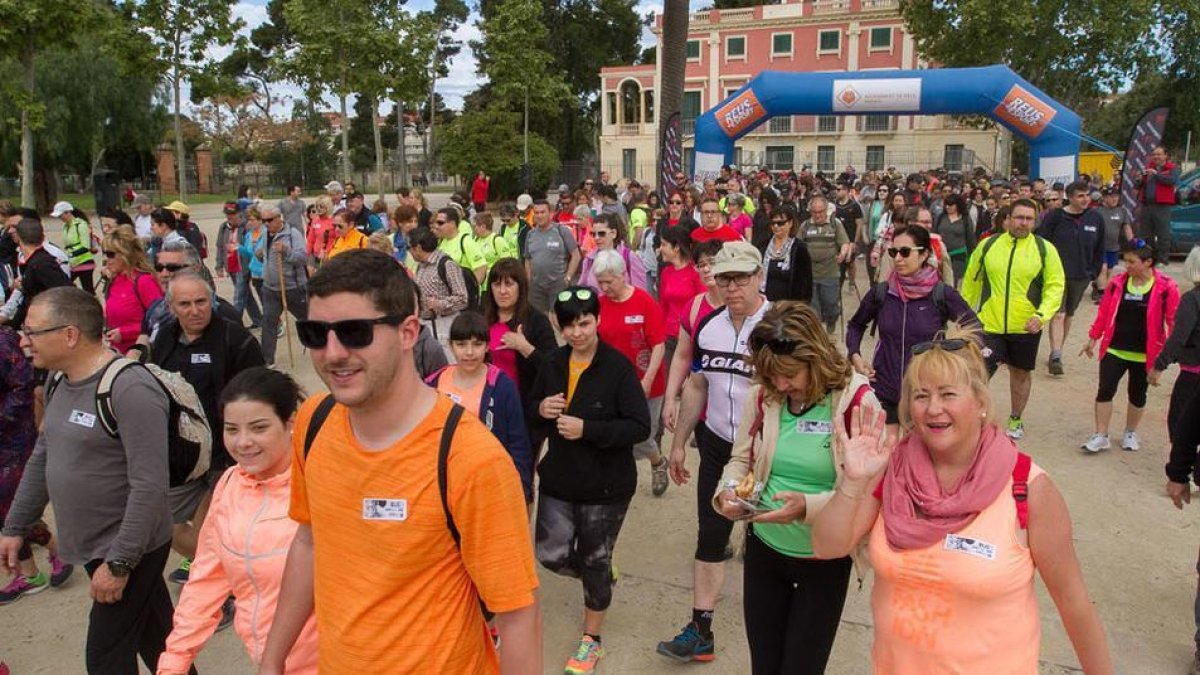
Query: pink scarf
{"x": 917, "y": 513}
{"x": 914, "y": 286}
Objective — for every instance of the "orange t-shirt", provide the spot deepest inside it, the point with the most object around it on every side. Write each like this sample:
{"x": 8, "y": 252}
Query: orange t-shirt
{"x": 393, "y": 594}
{"x": 467, "y": 398}
{"x": 574, "y": 372}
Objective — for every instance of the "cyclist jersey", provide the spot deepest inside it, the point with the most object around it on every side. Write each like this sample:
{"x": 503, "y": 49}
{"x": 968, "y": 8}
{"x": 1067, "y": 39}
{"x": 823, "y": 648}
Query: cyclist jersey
{"x": 722, "y": 355}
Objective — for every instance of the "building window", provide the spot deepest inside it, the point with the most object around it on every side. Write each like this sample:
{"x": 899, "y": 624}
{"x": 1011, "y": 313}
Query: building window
{"x": 877, "y": 123}
{"x": 629, "y": 163}
{"x": 693, "y": 50}
{"x": 688, "y": 154}
{"x": 631, "y": 103}
{"x": 735, "y": 47}
{"x": 779, "y": 157}
{"x": 881, "y": 38}
{"x": 952, "y": 159}
{"x": 829, "y": 41}
{"x": 648, "y": 106}
{"x": 781, "y": 125}
{"x": 875, "y": 158}
{"x": 612, "y": 107}
{"x": 738, "y": 155}
{"x": 781, "y": 44}
{"x": 690, "y": 111}
{"x": 827, "y": 124}
{"x": 730, "y": 91}
{"x": 825, "y": 157}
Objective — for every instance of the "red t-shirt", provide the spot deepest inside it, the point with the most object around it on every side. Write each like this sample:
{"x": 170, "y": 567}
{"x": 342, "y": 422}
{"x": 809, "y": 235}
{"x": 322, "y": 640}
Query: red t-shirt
{"x": 634, "y": 328}
{"x": 723, "y": 233}
{"x": 479, "y": 190}
{"x": 676, "y": 288}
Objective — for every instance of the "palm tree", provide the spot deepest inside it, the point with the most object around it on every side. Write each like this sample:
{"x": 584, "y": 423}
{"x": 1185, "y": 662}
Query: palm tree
{"x": 673, "y": 56}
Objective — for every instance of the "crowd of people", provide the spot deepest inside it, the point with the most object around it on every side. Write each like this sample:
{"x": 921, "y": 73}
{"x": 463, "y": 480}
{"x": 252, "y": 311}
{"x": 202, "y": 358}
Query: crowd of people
{"x": 492, "y": 370}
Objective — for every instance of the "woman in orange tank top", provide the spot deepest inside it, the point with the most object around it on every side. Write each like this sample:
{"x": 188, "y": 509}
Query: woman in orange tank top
{"x": 950, "y": 532}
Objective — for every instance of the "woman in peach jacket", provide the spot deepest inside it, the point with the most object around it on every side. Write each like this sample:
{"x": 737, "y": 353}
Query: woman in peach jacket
{"x": 244, "y": 542}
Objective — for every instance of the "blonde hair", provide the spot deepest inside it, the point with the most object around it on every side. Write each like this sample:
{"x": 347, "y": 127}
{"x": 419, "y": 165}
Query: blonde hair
{"x": 960, "y": 366}
{"x": 828, "y": 369}
{"x": 380, "y": 241}
{"x": 324, "y": 205}
{"x": 125, "y": 243}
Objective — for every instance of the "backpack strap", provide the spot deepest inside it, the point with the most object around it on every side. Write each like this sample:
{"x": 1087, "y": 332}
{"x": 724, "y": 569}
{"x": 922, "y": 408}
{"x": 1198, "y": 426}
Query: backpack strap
{"x": 104, "y": 405}
{"x": 1020, "y": 488}
{"x": 854, "y": 403}
{"x": 442, "y": 470}
{"x": 938, "y": 295}
{"x": 756, "y": 426}
{"x": 317, "y": 421}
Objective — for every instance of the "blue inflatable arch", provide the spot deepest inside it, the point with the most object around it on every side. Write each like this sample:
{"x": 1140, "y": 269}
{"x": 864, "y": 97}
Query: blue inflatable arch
{"x": 1052, "y": 130}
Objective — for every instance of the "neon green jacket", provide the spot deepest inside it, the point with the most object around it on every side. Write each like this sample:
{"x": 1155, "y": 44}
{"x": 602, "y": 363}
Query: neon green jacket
{"x": 77, "y": 242}
{"x": 1010, "y": 286}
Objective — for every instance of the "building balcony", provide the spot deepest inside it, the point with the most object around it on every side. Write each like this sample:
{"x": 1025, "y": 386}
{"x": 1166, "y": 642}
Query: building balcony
{"x": 831, "y": 6}
{"x": 634, "y": 129}
{"x": 875, "y": 5}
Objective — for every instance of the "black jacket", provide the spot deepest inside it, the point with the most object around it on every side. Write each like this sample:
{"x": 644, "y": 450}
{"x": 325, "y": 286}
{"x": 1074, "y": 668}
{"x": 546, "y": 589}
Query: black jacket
{"x": 1079, "y": 239}
{"x": 540, "y": 334}
{"x": 208, "y": 364}
{"x": 1183, "y": 344}
{"x": 800, "y": 280}
{"x": 41, "y": 272}
{"x": 599, "y": 467}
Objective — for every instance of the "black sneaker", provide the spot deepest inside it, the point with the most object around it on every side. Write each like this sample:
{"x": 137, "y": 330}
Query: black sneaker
{"x": 689, "y": 645}
{"x": 227, "y": 612}
{"x": 181, "y": 574}
{"x": 1056, "y": 367}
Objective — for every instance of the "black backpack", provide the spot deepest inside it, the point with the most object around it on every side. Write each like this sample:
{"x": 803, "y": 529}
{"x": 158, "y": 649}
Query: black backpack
{"x": 938, "y": 295}
{"x": 474, "y": 299}
{"x": 326, "y": 406}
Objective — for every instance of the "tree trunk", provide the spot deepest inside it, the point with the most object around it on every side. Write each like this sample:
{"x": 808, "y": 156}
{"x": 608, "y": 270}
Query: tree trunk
{"x": 345, "y": 140}
{"x": 401, "y": 152}
{"x": 378, "y": 146}
{"x": 673, "y": 57}
{"x": 27, "y": 198}
{"x": 181, "y": 174}
{"x": 428, "y": 137}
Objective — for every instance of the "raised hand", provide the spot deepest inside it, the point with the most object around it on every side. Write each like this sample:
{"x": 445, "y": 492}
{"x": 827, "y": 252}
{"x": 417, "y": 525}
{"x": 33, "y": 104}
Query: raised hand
{"x": 866, "y": 447}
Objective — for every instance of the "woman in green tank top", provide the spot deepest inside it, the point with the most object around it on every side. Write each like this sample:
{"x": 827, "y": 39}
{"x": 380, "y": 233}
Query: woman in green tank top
{"x": 783, "y": 469}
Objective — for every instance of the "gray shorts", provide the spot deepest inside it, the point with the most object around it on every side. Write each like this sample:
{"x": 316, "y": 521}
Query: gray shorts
{"x": 185, "y": 499}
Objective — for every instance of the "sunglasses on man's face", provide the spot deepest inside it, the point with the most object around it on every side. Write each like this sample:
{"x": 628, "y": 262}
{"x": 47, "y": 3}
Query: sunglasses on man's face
{"x": 169, "y": 267}
{"x": 351, "y": 333}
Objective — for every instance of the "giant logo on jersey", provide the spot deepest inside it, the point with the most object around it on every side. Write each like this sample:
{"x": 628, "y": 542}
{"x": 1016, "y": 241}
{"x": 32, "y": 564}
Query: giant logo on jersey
{"x": 732, "y": 363}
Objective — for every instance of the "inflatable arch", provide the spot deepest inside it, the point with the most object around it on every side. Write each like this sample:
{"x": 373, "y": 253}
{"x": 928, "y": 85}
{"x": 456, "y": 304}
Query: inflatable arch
{"x": 1052, "y": 130}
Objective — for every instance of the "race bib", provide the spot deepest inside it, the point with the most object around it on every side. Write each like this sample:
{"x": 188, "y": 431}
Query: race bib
{"x": 975, "y": 547}
{"x": 814, "y": 427}
{"x": 201, "y": 358}
{"x": 635, "y": 319}
{"x": 385, "y": 509}
{"x": 83, "y": 419}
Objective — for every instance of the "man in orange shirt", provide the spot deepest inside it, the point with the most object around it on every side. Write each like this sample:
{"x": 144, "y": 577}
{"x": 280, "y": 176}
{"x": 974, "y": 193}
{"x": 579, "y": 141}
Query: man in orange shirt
{"x": 394, "y": 563}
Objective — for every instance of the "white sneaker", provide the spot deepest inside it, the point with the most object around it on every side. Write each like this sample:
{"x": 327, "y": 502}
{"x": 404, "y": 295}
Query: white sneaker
{"x": 1130, "y": 441}
{"x": 1097, "y": 443}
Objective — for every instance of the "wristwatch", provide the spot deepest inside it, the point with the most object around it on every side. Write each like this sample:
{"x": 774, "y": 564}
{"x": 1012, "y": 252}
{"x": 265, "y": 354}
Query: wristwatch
{"x": 119, "y": 568}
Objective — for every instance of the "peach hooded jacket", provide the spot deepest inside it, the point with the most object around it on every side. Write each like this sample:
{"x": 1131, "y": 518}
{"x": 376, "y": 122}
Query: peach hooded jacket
{"x": 242, "y": 550}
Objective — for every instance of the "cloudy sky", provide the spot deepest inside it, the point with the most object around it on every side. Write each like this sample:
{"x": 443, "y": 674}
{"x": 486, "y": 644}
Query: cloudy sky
{"x": 462, "y": 79}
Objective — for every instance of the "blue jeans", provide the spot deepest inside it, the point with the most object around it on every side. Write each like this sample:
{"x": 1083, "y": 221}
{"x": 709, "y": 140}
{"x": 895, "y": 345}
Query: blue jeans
{"x": 243, "y": 298}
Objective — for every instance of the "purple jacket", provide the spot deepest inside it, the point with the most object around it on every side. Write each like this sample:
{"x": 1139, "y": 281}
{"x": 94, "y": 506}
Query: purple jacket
{"x": 900, "y": 326}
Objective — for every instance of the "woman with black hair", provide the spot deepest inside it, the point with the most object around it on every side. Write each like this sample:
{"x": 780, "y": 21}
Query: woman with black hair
{"x": 785, "y": 259}
{"x": 589, "y": 400}
{"x": 957, "y": 232}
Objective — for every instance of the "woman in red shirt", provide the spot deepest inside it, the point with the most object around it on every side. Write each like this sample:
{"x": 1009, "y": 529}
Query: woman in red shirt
{"x": 132, "y": 288}
{"x": 479, "y": 191}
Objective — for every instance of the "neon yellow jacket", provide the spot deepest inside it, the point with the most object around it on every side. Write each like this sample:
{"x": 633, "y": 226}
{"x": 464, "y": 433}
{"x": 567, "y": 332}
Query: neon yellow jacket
{"x": 1012, "y": 286}
{"x": 77, "y": 242}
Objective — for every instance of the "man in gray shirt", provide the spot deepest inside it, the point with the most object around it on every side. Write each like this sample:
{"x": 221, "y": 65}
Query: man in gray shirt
{"x": 551, "y": 257}
{"x": 109, "y": 493}
{"x": 292, "y": 208}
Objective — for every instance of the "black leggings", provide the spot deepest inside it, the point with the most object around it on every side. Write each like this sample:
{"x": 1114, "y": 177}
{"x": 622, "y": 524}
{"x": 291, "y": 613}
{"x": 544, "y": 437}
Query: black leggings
{"x": 1183, "y": 423}
{"x": 1112, "y": 368}
{"x": 577, "y": 540}
{"x": 792, "y": 608}
{"x": 712, "y": 539}
{"x": 85, "y": 279}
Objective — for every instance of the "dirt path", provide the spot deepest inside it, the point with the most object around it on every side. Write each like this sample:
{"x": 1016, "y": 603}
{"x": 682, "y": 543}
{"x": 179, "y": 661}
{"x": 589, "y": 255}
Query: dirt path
{"x": 1138, "y": 555}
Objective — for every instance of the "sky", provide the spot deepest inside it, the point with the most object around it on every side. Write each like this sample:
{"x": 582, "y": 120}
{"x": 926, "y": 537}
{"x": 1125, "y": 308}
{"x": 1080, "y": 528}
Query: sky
{"x": 462, "y": 78}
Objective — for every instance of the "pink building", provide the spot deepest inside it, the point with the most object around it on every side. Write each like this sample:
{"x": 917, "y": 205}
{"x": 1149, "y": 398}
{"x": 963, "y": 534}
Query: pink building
{"x": 726, "y": 48}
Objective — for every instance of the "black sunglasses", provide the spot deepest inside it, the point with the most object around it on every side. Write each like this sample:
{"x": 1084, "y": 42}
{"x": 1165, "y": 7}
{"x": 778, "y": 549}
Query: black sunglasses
{"x": 950, "y": 345}
{"x": 904, "y": 251}
{"x": 352, "y": 333}
{"x": 170, "y": 267}
{"x": 781, "y": 346}
{"x": 110, "y": 254}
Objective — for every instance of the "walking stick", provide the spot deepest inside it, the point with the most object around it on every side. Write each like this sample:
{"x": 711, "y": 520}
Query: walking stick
{"x": 287, "y": 326}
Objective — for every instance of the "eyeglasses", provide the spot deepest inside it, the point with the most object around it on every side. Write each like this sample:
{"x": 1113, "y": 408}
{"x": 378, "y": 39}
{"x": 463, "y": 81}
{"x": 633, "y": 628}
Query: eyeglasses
{"x": 170, "y": 267}
{"x": 904, "y": 251}
{"x": 29, "y": 332}
{"x": 780, "y": 223}
{"x": 781, "y": 346}
{"x": 676, "y": 201}
{"x": 740, "y": 280}
{"x": 951, "y": 345}
{"x": 599, "y": 233}
{"x": 709, "y": 212}
{"x": 352, "y": 333}
{"x": 578, "y": 293}
{"x": 110, "y": 254}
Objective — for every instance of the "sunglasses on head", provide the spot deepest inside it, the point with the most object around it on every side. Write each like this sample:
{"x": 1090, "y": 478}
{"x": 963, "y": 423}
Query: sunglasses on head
{"x": 780, "y": 346}
{"x": 351, "y": 333}
{"x": 169, "y": 267}
{"x": 904, "y": 251}
{"x": 578, "y": 293}
{"x": 950, "y": 345}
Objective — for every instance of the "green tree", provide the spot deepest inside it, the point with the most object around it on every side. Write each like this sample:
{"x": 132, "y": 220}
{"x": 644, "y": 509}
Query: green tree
{"x": 490, "y": 140}
{"x": 21, "y": 40}
{"x": 447, "y": 16}
{"x": 175, "y": 36}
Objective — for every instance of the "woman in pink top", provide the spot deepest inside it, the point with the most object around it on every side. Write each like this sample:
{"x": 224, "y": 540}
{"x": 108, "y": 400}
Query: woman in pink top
{"x": 131, "y": 290}
{"x": 244, "y": 542}
{"x": 320, "y": 233}
{"x": 679, "y": 281}
{"x": 740, "y": 222}
{"x": 957, "y": 520}
{"x": 679, "y": 365}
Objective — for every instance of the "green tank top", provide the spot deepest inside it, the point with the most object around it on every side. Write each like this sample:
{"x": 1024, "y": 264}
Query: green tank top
{"x": 803, "y": 462}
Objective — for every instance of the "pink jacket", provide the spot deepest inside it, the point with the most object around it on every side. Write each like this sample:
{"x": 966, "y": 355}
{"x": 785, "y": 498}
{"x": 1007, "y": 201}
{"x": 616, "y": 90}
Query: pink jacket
{"x": 1160, "y": 314}
{"x": 127, "y": 301}
{"x": 242, "y": 550}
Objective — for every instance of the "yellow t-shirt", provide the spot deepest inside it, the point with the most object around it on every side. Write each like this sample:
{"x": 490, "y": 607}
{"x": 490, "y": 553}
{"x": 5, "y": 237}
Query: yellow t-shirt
{"x": 393, "y": 593}
{"x": 574, "y": 372}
